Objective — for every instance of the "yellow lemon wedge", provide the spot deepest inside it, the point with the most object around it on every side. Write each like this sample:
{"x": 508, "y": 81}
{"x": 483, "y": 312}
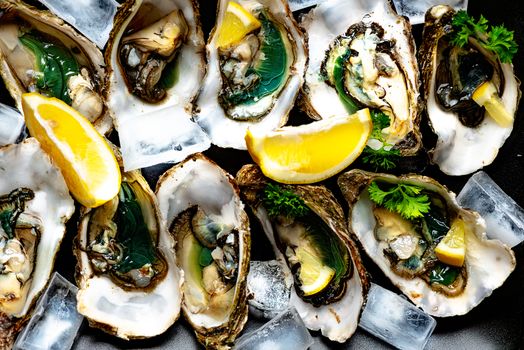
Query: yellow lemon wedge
{"x": 312, "y": 152}
{"x": 88, "y": 165}
{"x": 486, "y": 95}
{"x": 237, "y": 23}
{"x": 451, "y": 249}
{"x": 314, "y": 275}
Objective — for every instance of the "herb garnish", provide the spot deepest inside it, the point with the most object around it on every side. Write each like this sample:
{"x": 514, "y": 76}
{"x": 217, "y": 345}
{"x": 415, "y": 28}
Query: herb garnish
{"x": 404, "y": 199}
{"x": 384, "y": 158}
{"x": 497, "y": 39}
{"x": 279, "y": 201}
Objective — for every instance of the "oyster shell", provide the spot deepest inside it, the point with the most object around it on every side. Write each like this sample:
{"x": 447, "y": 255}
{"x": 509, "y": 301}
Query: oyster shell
{"x": 404, "y": 249}
{"x": 155, "y": 66}
{"x": 34, "y": 206}
{"x": 362, "y": 54}
{"x": 335, "y": 308}
{"x": 39, "y": 52}
{"x": 254, "y": 83}
{"x": 200, "y": 204}
{"x": 467, "y": 139}
{"x": 129, "y": 283}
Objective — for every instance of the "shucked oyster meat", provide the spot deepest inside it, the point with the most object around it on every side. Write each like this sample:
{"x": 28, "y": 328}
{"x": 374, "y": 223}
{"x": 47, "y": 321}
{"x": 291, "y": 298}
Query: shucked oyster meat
{"x": 39, "y": 52}
{"x": 309, "y": 237}
{"x": 34, "y": 206}
{"x": 201, "y": 206}
{"x": 406, "y": 248}
{"x": 253, "y": 82}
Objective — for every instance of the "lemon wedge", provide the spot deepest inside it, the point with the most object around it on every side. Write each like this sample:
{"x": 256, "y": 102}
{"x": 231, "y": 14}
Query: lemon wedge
{"x": 312, "y": 152}
{"x": 486, "y": 96}
{"x": 88, "y": 165}
{"x": 237, "y": 23}
{"x": 451, "y": 249}
{"x": 314, "y": 275}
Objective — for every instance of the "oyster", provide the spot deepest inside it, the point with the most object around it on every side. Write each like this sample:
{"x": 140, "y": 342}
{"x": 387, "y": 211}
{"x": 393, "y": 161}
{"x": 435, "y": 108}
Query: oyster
{"x": 362, "y": 54}
{"x": 404, "y": 249}
{"x": 313, "y": 241}
{"x": 34, "y": 206}
{"x": 126, "y": 270}
{"x": 467, "y": 139}
{"x": 254, "y": 82}
{"x": 155, "y": 66}
{"x": 201, "y": 205}
{"x": 39, "y": 52}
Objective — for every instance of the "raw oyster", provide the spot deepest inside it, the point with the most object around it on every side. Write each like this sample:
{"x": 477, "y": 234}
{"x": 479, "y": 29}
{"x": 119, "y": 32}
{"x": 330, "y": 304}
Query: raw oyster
{"x": 467, "y": 139}
{"x": 39, "y": 52}
{"x": 318, "y": 239}
{"x": 126, "y": 271}
{"x": 155, "y": 66}
{"x": 34, "y": 207}
{"x": 362, "y": 54}
{"x": 405, "y": 249}
{"x": 254, "y": 82}
{"x": 200, "y": 204}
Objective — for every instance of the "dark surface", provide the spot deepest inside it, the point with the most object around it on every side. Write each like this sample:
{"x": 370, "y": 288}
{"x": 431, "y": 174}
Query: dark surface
{"x": 497, "y": 323}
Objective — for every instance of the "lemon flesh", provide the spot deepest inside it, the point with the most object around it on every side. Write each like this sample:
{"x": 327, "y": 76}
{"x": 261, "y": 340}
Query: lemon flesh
{"x": 486, "y": 96}
{"x": 237, "y": 23}
{"x": 452, "y": 248}
{"x": 314, "y": 275}
{"x": 86, "y": 161}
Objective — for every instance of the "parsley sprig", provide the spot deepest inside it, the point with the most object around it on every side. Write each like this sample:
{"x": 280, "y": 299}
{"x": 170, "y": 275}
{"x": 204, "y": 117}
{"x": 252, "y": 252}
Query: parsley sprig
{"x": 407, "y": 200}
{"x": 279, "y": 201}
{"x": 384, "y": 158}
{"x": 497, "y": 39}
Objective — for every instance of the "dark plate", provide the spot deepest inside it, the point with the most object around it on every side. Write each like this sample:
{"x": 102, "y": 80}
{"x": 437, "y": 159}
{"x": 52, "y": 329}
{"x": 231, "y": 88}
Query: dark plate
{"x": 497, "y": 323}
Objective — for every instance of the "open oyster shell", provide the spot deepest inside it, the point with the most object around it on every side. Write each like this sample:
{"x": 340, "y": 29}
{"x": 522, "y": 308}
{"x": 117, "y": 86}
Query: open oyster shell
{"x": 129, "y": 283}
{"x": 362, "y": 54}
{"x": 34, "y": 206}
{"x": 334, "y": 309}
{"x": 39, "y": 52}
{"x": 467, "y": 138}
{"x": 155, "y": 63}
{"x": 487, "y": 263}
{"x": 200, "y": 204}
{"x": 254, "y": 83}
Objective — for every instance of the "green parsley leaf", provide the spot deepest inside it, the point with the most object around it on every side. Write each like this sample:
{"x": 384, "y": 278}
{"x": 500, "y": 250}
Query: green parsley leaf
{"x": 380, "y": 121}
{"x": 381, "y": 159}
{"x": 279, "y": 201}
{"x": 407, "y": 200}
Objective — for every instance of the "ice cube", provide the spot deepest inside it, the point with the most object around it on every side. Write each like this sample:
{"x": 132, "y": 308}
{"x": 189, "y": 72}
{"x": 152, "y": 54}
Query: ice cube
{"x": 11, "y": 125}
{"x": 92, "y": 18}
{"x": 270, "y": 287}
{"x": 284, "y": 332}
{"x": 55, "y": 321}
{"x": 504, "y": 217}
{"x": 416, "y": 9}
{"x": 395, "y": 320}
{"x": 296, "y": 5}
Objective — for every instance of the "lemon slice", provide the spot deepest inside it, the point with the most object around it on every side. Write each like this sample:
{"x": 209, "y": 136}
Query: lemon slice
{"x": 312, "y": 152}
{"x": 237, "y": 23}
{"x": 88, "y": 165}
{"x": 314, "y": 275}
{"x": 486, "y": 96}
{"x": 452, "y": 248}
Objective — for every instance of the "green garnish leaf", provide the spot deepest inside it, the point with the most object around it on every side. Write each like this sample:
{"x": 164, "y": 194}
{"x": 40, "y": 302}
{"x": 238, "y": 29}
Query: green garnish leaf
{"x": 279, "y": 201}
{"x": 380, "y": 121}
{"x": 381, "y": 159}
{"x": 407, "y": 200}
{"x": 497, "y": 39}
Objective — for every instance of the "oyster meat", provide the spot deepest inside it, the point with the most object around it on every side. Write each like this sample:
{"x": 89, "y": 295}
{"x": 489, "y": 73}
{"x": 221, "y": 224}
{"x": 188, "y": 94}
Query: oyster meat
{"x": 39, "y": 52}
{"x": 467, "y": 138}
{"x": 34, "y": 206}
{"x": 251, "y": 83}
{"x": 362, "y": 54}
{"x": 129, "y": 283}
{"x": 200, "y": 204}
{"x": 155, "y": 66}
{"x": 312, "y": 243}
{"x": 405, "y": 249}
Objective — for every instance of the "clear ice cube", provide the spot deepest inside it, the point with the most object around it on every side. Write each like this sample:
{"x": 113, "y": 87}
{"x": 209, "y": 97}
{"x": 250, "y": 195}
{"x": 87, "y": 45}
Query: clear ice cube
{"x": 92, "y": 18}
{"x": 55, "y": 322}
{"x": 416, "y": 9}
{"x": 11, "y": 125}
{"x": 284, "y": 332}
{"x": 395, "y": 320}
{"x": 270, "y": 288}
{"x": 504, "y": 217}
{"x": 296, "y": 5}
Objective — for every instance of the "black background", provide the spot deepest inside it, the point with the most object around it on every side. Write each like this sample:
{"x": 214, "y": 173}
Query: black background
{"x": 497, "y": 323}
